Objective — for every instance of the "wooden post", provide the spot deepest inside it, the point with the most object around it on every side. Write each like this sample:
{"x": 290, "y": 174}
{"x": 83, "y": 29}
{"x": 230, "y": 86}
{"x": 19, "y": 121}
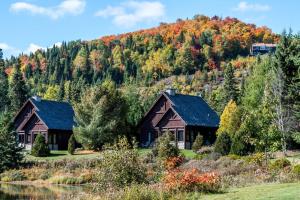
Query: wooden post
{"x": 184, "y": 142}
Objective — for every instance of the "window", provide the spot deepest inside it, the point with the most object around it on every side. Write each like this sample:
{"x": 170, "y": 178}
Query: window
{"x": 28, "y": 138}
{"x": 180, "y": 135}
{"x": 21, "y": 138}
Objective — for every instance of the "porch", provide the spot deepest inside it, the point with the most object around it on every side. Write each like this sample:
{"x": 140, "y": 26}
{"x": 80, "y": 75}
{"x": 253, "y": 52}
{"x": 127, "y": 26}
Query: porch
{"x": 55, "y": 140}
{"x": 184, "y": 137}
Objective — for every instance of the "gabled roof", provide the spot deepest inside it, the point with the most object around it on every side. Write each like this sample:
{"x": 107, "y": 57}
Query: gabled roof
{"x": 193, "y": 110}
{"x": 56, "y": 115}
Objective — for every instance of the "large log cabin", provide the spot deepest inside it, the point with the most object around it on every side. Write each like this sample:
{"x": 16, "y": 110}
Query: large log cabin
{"x": 184, "y": 116}
{"x": 53, "y": 119}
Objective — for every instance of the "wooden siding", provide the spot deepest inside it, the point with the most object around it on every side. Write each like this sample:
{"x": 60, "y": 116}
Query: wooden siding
{"x": 152, "y": 118}
{"x": 24, "y": 115}
{"x": 170, "y": 120}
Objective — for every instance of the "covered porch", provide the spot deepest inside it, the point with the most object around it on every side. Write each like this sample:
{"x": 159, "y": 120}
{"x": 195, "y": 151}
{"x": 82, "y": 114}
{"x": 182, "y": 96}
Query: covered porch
{"x": 55, "y": 140}
{"x": 184, "y": 137}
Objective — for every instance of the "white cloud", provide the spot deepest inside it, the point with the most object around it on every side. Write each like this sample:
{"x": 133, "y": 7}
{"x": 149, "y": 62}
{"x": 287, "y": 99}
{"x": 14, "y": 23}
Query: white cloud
{"x": 130, "y": 13}
{"x": 57, "y": 44}
{"x": 9, "y": 50}
{"x": 243, "y": 6}
{"x": 33, "y": 48}
{"x": 72, "y": 7}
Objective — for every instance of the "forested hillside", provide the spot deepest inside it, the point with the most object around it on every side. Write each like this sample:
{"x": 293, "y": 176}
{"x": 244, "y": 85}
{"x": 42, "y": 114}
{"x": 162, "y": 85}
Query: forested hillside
{"x": 202, "y": 56}
{"x": 201, "y": 45}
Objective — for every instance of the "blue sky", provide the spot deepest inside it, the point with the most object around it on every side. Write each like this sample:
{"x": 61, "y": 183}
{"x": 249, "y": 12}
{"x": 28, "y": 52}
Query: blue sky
{"x": 27, "y": 25}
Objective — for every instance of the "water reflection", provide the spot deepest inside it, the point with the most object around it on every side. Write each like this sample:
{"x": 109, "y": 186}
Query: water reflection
{"x": 29, "y": 192}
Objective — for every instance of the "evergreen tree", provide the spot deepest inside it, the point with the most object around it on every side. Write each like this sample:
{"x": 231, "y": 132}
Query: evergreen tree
{"x": 197, "y": 143}
{"x": 223, "y": 144}
{"x": 17, "y": 88}
{"x": 40, "y": 147}
{"x": 71, "y": 144}
{"x": 10, "y": 153}
{"x": 230, "y": 85}
{"x": 100, "y": 116}
{"x": 4, "y": 100}
{"x": 61, "y": 91}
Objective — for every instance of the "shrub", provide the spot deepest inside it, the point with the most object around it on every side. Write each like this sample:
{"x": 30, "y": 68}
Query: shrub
{"x": 223, "y": 144}
{"x": 71, "y": 144}
{"x": 173, "y": 162}
{"x": 13, "y": 175}
{"x": 139, "y": 192}
{"x": 197, "y": 143}
{"x": 213, "y": 156}
{"x": 163, "y": 148}
{"x": 280, "y": 164}
{"x": 205, "y": 150}
{"x": 191, "y": 180}
{"x": 257, "y": 158}
{"x": 120, "y": 167}
{"x": 234, "y": 157}
{"x": 40, "y": 147}
{"x": 296, "y": 170}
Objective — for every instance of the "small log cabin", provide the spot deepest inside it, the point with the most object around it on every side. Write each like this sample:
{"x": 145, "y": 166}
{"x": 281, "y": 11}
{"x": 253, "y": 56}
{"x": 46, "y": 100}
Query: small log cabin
{"x": 184, "y": 116}
{"x": 53, "y": 119}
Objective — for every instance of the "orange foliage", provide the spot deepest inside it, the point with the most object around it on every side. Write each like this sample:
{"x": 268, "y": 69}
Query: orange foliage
{"x": 191, "y": 180}
{"x": 172, "y": 163}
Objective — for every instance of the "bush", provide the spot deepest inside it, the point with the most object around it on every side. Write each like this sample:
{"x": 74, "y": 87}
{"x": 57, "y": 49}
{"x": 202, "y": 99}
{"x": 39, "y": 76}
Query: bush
{"x": 223, "y": 144}
{"x": 13, "y": 175}
{"x": 257, "y": 158}
{"x": 205, "y": 150}
{"x": 71, "y": 144}
{"x": 191, "y": 180}
{"x": 120, "y": 167}
{"x": 172, "y": 163}
{"x": 163, "y": 148}
{"x": 40, "y": 147}
{"x": 139, "y": 192}
{"x": 280, "y": 164}
{"x": 296, "y": 170}
{"x": 197, "y": 143}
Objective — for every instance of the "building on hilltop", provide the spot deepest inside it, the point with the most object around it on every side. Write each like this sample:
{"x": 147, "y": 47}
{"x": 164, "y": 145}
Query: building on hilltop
{"x": 184, "y": 116}
{"x": 262, "y": 48}
{"x": 55, "y": 120}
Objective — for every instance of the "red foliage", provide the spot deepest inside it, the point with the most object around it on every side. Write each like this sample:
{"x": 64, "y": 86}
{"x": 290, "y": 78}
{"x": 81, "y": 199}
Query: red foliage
{"x": 173, "y": 162}
{"x": 192, "y": 180}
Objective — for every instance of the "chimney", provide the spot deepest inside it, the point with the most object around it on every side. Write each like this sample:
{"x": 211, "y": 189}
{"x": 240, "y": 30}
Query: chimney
{"x": 37, "y": 98}
{"x": 171, "y": 91}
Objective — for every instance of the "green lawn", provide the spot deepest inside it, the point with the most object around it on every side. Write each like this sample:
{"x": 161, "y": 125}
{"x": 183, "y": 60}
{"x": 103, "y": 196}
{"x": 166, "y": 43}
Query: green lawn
{"x": 60, "y": 155}
{"x": 187, "y": 153}
{"x": 288, "y": 191}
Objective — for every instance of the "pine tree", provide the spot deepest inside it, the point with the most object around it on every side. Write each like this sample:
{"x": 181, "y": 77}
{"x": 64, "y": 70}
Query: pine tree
{"x": 100, "y": 116}
{"x": 71, "y": 144}
{"x": 61, "y": 91}
{"x": 10, "y": 153}
{"x": 197, "y": 143}
{"x": 4, "y": 100}
{"x": 40, "y": 147}
{"x": 17, "y": 89}
{"x": 230, "y": 85}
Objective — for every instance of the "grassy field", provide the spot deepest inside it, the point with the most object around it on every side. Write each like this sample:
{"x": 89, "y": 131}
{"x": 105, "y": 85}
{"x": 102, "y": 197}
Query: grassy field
{"x": 60, "y": 155}
{"x": 288, "y": 191}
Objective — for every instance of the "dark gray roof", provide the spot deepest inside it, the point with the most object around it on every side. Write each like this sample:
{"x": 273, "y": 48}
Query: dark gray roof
{"x": 56, "y": 115}
{"x": 194, "y": 110}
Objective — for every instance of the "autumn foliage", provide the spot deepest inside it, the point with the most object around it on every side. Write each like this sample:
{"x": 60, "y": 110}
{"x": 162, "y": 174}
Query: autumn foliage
{"x": 192, "y": 180}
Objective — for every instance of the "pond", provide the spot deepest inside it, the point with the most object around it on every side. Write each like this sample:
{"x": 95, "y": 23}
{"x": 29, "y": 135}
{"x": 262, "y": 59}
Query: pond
{"x": 49, "y": 192}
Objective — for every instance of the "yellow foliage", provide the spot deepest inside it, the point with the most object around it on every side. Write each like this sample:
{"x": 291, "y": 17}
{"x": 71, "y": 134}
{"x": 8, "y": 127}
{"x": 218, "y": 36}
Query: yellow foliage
{"x": 230, "y": 119}
{"x": 52, "y": 92}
